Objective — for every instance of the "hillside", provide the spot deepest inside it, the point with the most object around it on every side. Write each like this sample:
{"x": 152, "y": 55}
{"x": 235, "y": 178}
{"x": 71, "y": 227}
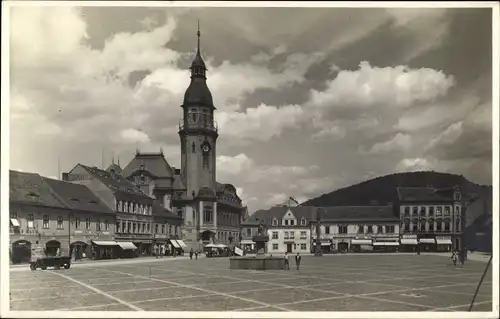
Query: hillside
{"x": 383, "y": 189}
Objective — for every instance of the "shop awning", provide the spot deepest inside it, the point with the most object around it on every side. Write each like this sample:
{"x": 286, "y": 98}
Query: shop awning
{"x": 326, "y": 244}
{"x": 361, "y": 242}
{"x": 379, "y": 244}
{"x": 220, "y": 246}
{"x": 391, "y": 243}
{"x": 105, "y": 243}
{"x": 409, "y": 241}
{"x": 427, "y": 240}
{"x": 126, "y": 245}
{"x": 247, "y": 242}
{"x": 15, "y": 222}
{"x": 181, "y": 243}
{"x": 210, "y": 246}
{"x": 443, "y": 241}
{"x": 175, "y": 243}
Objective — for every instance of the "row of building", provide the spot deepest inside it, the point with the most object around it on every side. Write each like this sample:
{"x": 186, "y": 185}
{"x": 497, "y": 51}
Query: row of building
{"x": 421, "y": 218}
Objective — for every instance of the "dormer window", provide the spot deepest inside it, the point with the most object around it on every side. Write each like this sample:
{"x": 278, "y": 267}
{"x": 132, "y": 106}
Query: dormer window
{"x": 457, "y": 196}
{"x": 275, "y": 222}
{"x": 303, "y": 221}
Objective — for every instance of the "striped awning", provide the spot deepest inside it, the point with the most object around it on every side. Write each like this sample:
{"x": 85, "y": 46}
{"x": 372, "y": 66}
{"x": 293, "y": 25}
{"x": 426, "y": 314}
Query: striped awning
{"x": 361, "y": 242}
{"x": 126, "y": 245}
{"x": 443, "y": 241}
{"x": 105, "y": 243}
{"x": 386, "y": 243}
{"x": 326, "y": 244}
{"x": 181, "y": 243}
{"x": 409, "y": 241}
{"x": 15, "y": 222}
{"x": 175, "y": 243}
{"x": 427, "y": 240}
{"x": 247, "y": 242}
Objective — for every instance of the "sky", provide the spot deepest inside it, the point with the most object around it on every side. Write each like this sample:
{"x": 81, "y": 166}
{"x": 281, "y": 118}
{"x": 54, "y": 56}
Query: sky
{"x": 308, "y": 100}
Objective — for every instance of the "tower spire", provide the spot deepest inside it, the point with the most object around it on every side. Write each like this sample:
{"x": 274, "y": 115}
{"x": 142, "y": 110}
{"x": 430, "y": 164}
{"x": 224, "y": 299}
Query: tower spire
{"x": 198, "y": 34}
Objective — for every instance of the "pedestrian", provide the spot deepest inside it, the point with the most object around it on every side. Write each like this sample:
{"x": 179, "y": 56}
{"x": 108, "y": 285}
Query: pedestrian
{"x": 287, "y": 264}
{"x": 196, "y": 254}
{"x": 462, "y": 256}
{"x": 298, "y": 258}
{"x": 454, "y": 257}
{"x": 58, "y": 252}
{"x": 156, "y": 249}
{"x": 191, "y": 254}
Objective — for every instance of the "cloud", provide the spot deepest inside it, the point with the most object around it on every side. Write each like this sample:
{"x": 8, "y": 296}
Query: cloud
{"x": 391, "y": 87}
{"x": 134, "y": 136}
{"x": 400, "y": 142}
{"x": 447, "y": 137}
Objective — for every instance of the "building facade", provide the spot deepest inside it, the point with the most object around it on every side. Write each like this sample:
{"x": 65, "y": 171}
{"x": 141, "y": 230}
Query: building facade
{"x": 431, "y": 219}
{"x": 356, "y": 228}
{"x": 54, "y": 215}
{"x": 288, "y": 228}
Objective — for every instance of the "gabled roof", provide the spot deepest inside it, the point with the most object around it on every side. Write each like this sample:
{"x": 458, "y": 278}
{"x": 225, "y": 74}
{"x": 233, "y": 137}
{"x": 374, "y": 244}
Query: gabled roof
{"x": 77, "y": 196}
{"x": 307, "y": 212}
{"x": 160, "y": 211}
{"x": 122, "y": 188}
{"x": 178, "y": 184}
{"x": 30, "y": 188}
{"x": 154, "y": 163}
{"x": 423, "y": 194}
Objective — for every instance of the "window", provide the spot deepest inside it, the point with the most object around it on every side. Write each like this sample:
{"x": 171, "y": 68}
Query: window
{"x": 275, "y": 246}
{"x": 439, "y": 211}
{"x": 249, "y": 232}
{"x": 439, "y": 226}
{"x": 415, "y": 225}
{"x": 303, "y": 246}
{"x": 414, "y": 211}
{"x": 117, "y": 227}
{"x": 457, "y": 196}
{"x": 303, "y": 221}
{"x": 370, "y": 229}
{"x": 447, "y": 210}
{"x": 275, "y": 235}
{"x": 156, "y": 228}
{"x": 407, "y": 211}
{"x": 447, "y": 225}
{"x": 31, "y": 221}
{"x": 327, "y": 229}
{"x": 98, "y": 225}
{"x": 193, "y": 147}
{"x": 431, "y": 211}
{"x": 303, "y": 235}
{"x": 275, "y": 222}
{"x": 207, "y": 214}
{"x": 457, "y": 225}
{"x": 380, "y": 229}
{"x": 170, "y": 229}
{"x": 125, "y": 207}
{"x": 292, "y": 235}
{"x": 406, "y": 227}
{"x": 292, "y": 222}
{"x": 124, "y": 227}
{"x": 59, "y": 222}
{"x": 176, "y": 230}
{"x": 361, "y": 229}
{"x": 45, "y": 222}
{"x": 457, "y": 210}
{"x": 343, "y": 229}
{"x": 286, "y": 235}
{"x": 87, "y": 223}
{"x": 389, "y": 229}
{"x": 13, "y": 215}
{"x": 163, "y": 229}
{"x": 286, "y": 222}
{"x": 422, "y": 210}
{"x": 148, "y": 227}
{"x": 431, "y": 224}
{"x": 422, "y": 225}
{"x": 106, "y": 225}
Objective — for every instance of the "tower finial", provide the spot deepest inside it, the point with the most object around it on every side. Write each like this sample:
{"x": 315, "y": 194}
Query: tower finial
{"x": 198, "y": 34}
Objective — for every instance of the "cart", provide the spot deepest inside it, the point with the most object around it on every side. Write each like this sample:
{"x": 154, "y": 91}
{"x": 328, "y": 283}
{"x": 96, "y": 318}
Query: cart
{"x": 57, "y": 262}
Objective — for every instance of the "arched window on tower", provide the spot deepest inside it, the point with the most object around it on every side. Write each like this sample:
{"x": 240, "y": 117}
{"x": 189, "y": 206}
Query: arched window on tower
{"x": 207, "y": 214}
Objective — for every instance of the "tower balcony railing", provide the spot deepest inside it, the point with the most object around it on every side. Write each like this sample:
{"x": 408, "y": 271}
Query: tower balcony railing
{"x": 209, "y": 126}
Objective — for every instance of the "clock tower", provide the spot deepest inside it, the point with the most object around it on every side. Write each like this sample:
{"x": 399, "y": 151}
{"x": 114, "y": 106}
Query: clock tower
{"x": 198, "y": 135}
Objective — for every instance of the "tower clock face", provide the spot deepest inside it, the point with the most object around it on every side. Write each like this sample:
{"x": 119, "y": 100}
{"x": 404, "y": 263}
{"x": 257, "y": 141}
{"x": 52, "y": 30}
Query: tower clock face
{"x": 205, "y": 148}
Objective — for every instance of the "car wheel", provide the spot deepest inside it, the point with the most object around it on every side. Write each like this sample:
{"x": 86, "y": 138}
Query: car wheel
{"x": 67, "y": 266}
{"x": 44, "y": 267}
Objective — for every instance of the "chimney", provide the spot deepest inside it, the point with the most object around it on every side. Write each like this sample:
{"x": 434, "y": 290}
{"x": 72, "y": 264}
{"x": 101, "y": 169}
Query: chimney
{"x": 65, "y": 177}
{"x": 177, "y": 171}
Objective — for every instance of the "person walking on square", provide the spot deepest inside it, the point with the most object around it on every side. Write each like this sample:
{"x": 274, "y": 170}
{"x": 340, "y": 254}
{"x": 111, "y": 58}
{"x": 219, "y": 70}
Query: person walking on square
{"x": 287, "y": 264}
{"x": 156, "y": 251}
{"x": 191, "y": 254}
{"x": 454, "y": 257}
{"x": 196, "y": 254}
{"x": 298, "y": 258}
